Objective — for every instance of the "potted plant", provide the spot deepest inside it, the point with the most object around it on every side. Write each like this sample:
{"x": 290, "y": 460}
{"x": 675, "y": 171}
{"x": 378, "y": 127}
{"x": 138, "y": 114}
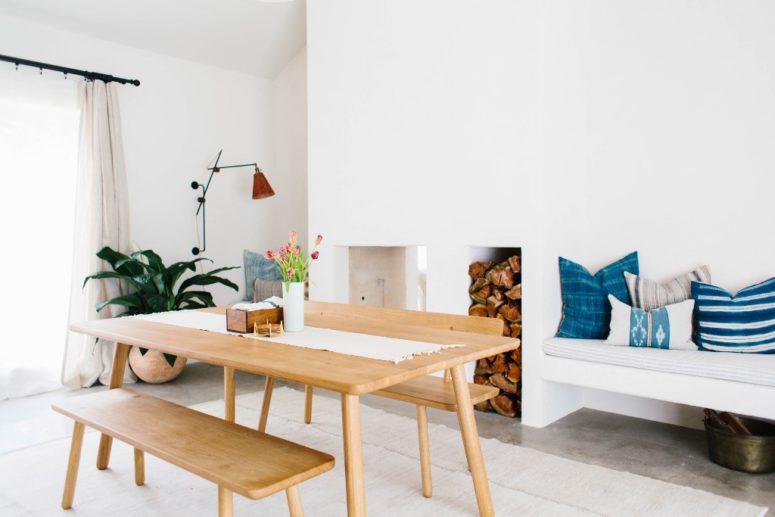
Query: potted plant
{"x": 155, "y": 288}
{"x": 294, "y": 266}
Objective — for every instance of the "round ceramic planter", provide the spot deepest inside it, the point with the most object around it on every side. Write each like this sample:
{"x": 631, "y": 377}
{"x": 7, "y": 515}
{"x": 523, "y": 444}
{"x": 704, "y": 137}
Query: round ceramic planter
{"x": 152, "y": 367}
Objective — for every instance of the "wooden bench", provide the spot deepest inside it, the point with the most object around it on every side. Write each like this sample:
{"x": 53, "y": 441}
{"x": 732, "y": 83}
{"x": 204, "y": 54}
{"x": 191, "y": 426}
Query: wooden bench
{"x": 234, "y": 457}
{"x": 424, "y": 392}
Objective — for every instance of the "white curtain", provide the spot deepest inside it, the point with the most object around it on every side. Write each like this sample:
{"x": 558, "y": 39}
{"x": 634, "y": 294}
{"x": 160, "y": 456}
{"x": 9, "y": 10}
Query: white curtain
{"x": 101, "y": 220}
{"x": 38, "y": 156}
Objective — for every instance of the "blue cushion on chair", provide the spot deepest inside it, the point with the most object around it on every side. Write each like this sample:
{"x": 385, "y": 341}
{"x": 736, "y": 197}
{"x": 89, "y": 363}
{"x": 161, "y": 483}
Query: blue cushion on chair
{"x": 744, "y": 322}
{"x": 586, "y": 311}
{"x": 256, "y": 266}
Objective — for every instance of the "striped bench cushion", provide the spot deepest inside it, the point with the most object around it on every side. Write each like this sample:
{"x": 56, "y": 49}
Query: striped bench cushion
{"x": 744, "y": 322}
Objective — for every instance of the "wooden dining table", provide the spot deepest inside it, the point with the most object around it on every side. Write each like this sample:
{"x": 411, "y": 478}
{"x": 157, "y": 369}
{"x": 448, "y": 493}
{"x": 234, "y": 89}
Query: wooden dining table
{"x": 351, "y": 376}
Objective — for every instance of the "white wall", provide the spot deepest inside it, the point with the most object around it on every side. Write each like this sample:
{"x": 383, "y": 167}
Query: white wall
{"x": 588, "y": 129}
{"x": 173, "y": 125}
{"x": 289, "y": 135}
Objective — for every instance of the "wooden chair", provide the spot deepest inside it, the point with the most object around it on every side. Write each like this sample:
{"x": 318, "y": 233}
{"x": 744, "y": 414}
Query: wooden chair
{"x": 234, "y": 457}
{"x": 424, "y": 392}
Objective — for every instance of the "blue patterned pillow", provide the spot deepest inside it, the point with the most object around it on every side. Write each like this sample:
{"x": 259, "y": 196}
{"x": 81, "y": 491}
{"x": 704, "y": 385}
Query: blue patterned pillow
{"x": 256, "y": 266}
{"x": 586, "y": 312}
{"x": 744, "y": 322}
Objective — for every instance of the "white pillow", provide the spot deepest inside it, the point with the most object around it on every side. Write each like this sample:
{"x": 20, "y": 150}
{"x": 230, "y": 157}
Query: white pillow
{"x": 669, "y": 327}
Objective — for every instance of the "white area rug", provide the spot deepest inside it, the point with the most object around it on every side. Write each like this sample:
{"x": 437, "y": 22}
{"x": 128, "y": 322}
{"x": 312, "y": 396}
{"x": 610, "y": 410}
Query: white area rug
{"x": 523, "y": 481}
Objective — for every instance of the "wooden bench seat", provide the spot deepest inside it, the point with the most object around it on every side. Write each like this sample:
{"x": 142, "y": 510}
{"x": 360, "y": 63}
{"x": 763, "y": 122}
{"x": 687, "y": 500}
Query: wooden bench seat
{"x": 234, "y": 457}
{"x": 435, "y": 392}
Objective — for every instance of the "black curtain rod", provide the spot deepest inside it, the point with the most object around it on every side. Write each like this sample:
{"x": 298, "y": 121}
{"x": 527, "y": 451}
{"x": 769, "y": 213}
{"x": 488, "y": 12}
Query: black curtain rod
{"x": 90, "y": 76}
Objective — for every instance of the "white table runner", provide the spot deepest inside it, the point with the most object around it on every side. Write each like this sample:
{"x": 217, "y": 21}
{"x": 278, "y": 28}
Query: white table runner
{"x": 349, "y": 343}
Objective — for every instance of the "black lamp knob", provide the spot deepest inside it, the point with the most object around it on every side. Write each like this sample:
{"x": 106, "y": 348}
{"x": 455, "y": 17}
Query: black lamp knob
{"x": 195, "y": 250}
{"x": 194, "y": 185}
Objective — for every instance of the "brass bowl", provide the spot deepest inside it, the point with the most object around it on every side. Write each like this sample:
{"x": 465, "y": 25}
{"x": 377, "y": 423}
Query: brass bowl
{"x": 753, "y": 453}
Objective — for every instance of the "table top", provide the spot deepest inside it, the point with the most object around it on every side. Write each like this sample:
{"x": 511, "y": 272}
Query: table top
{"x": 319, "y": 368}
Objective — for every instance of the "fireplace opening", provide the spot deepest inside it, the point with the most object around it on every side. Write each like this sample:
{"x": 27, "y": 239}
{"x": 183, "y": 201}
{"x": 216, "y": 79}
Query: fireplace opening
{"x": 387, "y": 276}
{"x": 495, "y": 291}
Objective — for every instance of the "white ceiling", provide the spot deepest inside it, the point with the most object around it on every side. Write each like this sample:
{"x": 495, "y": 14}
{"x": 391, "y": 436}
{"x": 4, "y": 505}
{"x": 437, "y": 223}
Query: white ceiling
{"x": 257, "y": 37}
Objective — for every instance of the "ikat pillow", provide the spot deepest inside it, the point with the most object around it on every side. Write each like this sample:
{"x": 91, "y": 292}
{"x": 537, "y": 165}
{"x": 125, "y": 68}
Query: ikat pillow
{"x": 649, "y": 295}
{"x": 668, "y": 327}
{"x": 744, "y": 322}
{"x": 586, "y": 312}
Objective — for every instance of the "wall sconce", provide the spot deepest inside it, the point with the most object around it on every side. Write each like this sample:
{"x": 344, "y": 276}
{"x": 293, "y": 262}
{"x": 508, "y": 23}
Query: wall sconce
{"x": 261, "y": 189}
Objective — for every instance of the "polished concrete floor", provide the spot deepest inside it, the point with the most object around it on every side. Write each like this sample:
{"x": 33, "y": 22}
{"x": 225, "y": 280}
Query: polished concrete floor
{"x": 669, "y": 453}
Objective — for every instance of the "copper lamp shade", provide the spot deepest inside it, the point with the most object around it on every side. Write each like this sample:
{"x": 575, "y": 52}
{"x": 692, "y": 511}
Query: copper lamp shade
{"x": 261, "y": 187}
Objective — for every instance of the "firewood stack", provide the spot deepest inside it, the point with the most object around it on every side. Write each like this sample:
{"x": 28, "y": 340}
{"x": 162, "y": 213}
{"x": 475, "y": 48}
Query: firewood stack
{"x": 496, "y": 292}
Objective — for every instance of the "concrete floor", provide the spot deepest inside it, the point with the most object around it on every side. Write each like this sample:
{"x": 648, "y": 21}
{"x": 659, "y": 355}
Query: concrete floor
{"x": 669, "y": 453}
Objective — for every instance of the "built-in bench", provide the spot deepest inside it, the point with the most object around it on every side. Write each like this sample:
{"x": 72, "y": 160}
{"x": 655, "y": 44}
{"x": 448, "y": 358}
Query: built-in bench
{"x": 736, "y": 382}
{"x": 236, "y": 458}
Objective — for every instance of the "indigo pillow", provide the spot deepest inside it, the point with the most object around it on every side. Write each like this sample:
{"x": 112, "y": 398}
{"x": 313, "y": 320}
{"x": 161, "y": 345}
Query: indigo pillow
{"x": 256, "y": 266}
{"x": 586, "y": 312}
{"x": 744, "y": 322}
{"x": 647, "y": 294}
{"x": 668, "y": 327}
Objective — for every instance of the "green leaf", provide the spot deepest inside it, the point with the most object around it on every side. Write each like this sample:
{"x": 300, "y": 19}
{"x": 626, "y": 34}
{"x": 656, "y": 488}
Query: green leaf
{"x": 113, "y": 258}
{"x": 154, "y": 260}
{"x": 208, "y": 279}
{"x": 176, "y": 270}
{"x": 133, "y": 300}
{"x": 203, "y": 296}
{"x": 110, "y": 274}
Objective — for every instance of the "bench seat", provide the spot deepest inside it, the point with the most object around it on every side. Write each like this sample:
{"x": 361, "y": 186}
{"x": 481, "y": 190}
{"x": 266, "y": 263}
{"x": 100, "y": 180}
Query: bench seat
{"x": 435, "y": 392}
{"x": 738, "y": 367}
{"x": 232, "y": 456}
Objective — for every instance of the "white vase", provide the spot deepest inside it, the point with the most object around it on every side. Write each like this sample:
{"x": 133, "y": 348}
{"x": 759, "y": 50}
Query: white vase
{"x": 293, "y": 306}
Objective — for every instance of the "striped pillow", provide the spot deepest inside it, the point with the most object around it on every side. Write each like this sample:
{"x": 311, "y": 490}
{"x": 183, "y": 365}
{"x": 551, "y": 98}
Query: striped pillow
{"x": 650, "y": 295}
{"x": 741, "y": 323}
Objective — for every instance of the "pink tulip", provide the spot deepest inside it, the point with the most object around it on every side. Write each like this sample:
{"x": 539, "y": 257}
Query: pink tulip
{"x": 318, "y": 240}
{"x": 315, "y": 255}
{"x": 270, "y": 255}
{"x": 291, "y": 272}
{"x": 292, "y": 237}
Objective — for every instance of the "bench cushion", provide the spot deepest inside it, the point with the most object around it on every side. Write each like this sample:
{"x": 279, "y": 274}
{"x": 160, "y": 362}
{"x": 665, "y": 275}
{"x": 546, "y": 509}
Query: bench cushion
{"x": 747, "y": 368}
{"x": 435, "y": 392}
{"x": 241, "y": 459}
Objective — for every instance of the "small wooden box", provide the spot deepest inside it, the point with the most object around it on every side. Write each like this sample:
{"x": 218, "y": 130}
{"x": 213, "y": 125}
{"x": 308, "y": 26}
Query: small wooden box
{"x": 243, "y": 321}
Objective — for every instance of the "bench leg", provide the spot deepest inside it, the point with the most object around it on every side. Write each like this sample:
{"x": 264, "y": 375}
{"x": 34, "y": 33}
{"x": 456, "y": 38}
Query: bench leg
{"x": 465, "y": 417}
{"x": 353, "y": 456}
{"x": 229, "y": 388}
{"x": 139, "y": 467}
{"x": 265, "y": 406}
{"x": 425, "y": 450}
{"x": 308, "y": 404}
{"x": 72, "y": 466}
{"x": 116, "y": 380}
{"x": 294, "y": 501}
{"x": 225, "y": 502}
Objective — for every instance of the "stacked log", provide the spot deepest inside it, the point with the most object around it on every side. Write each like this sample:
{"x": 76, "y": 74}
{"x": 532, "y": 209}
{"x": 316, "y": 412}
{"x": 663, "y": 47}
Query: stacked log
{"x": 496, "y": 292}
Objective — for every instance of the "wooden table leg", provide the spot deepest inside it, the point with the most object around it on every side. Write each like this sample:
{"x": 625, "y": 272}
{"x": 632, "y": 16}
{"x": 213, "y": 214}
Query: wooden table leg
{"x": 139, "y": 467}
{"x": 465, "y": 417}
{"x": 353, "y": 456}
{"x": 307, "y": 404}
{"x": 268, "y": 387}
{"x": 72, "y": 466}
{"x": 294, "y": 501}
{"x": 225, "y": 502}
{"x": 425, "y": 451}
{"x": 116, "y": 380}
{"x": 229, "y": 387}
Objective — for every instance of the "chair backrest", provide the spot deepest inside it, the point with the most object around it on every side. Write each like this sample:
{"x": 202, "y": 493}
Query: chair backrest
{"x": 435, "y": 320}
